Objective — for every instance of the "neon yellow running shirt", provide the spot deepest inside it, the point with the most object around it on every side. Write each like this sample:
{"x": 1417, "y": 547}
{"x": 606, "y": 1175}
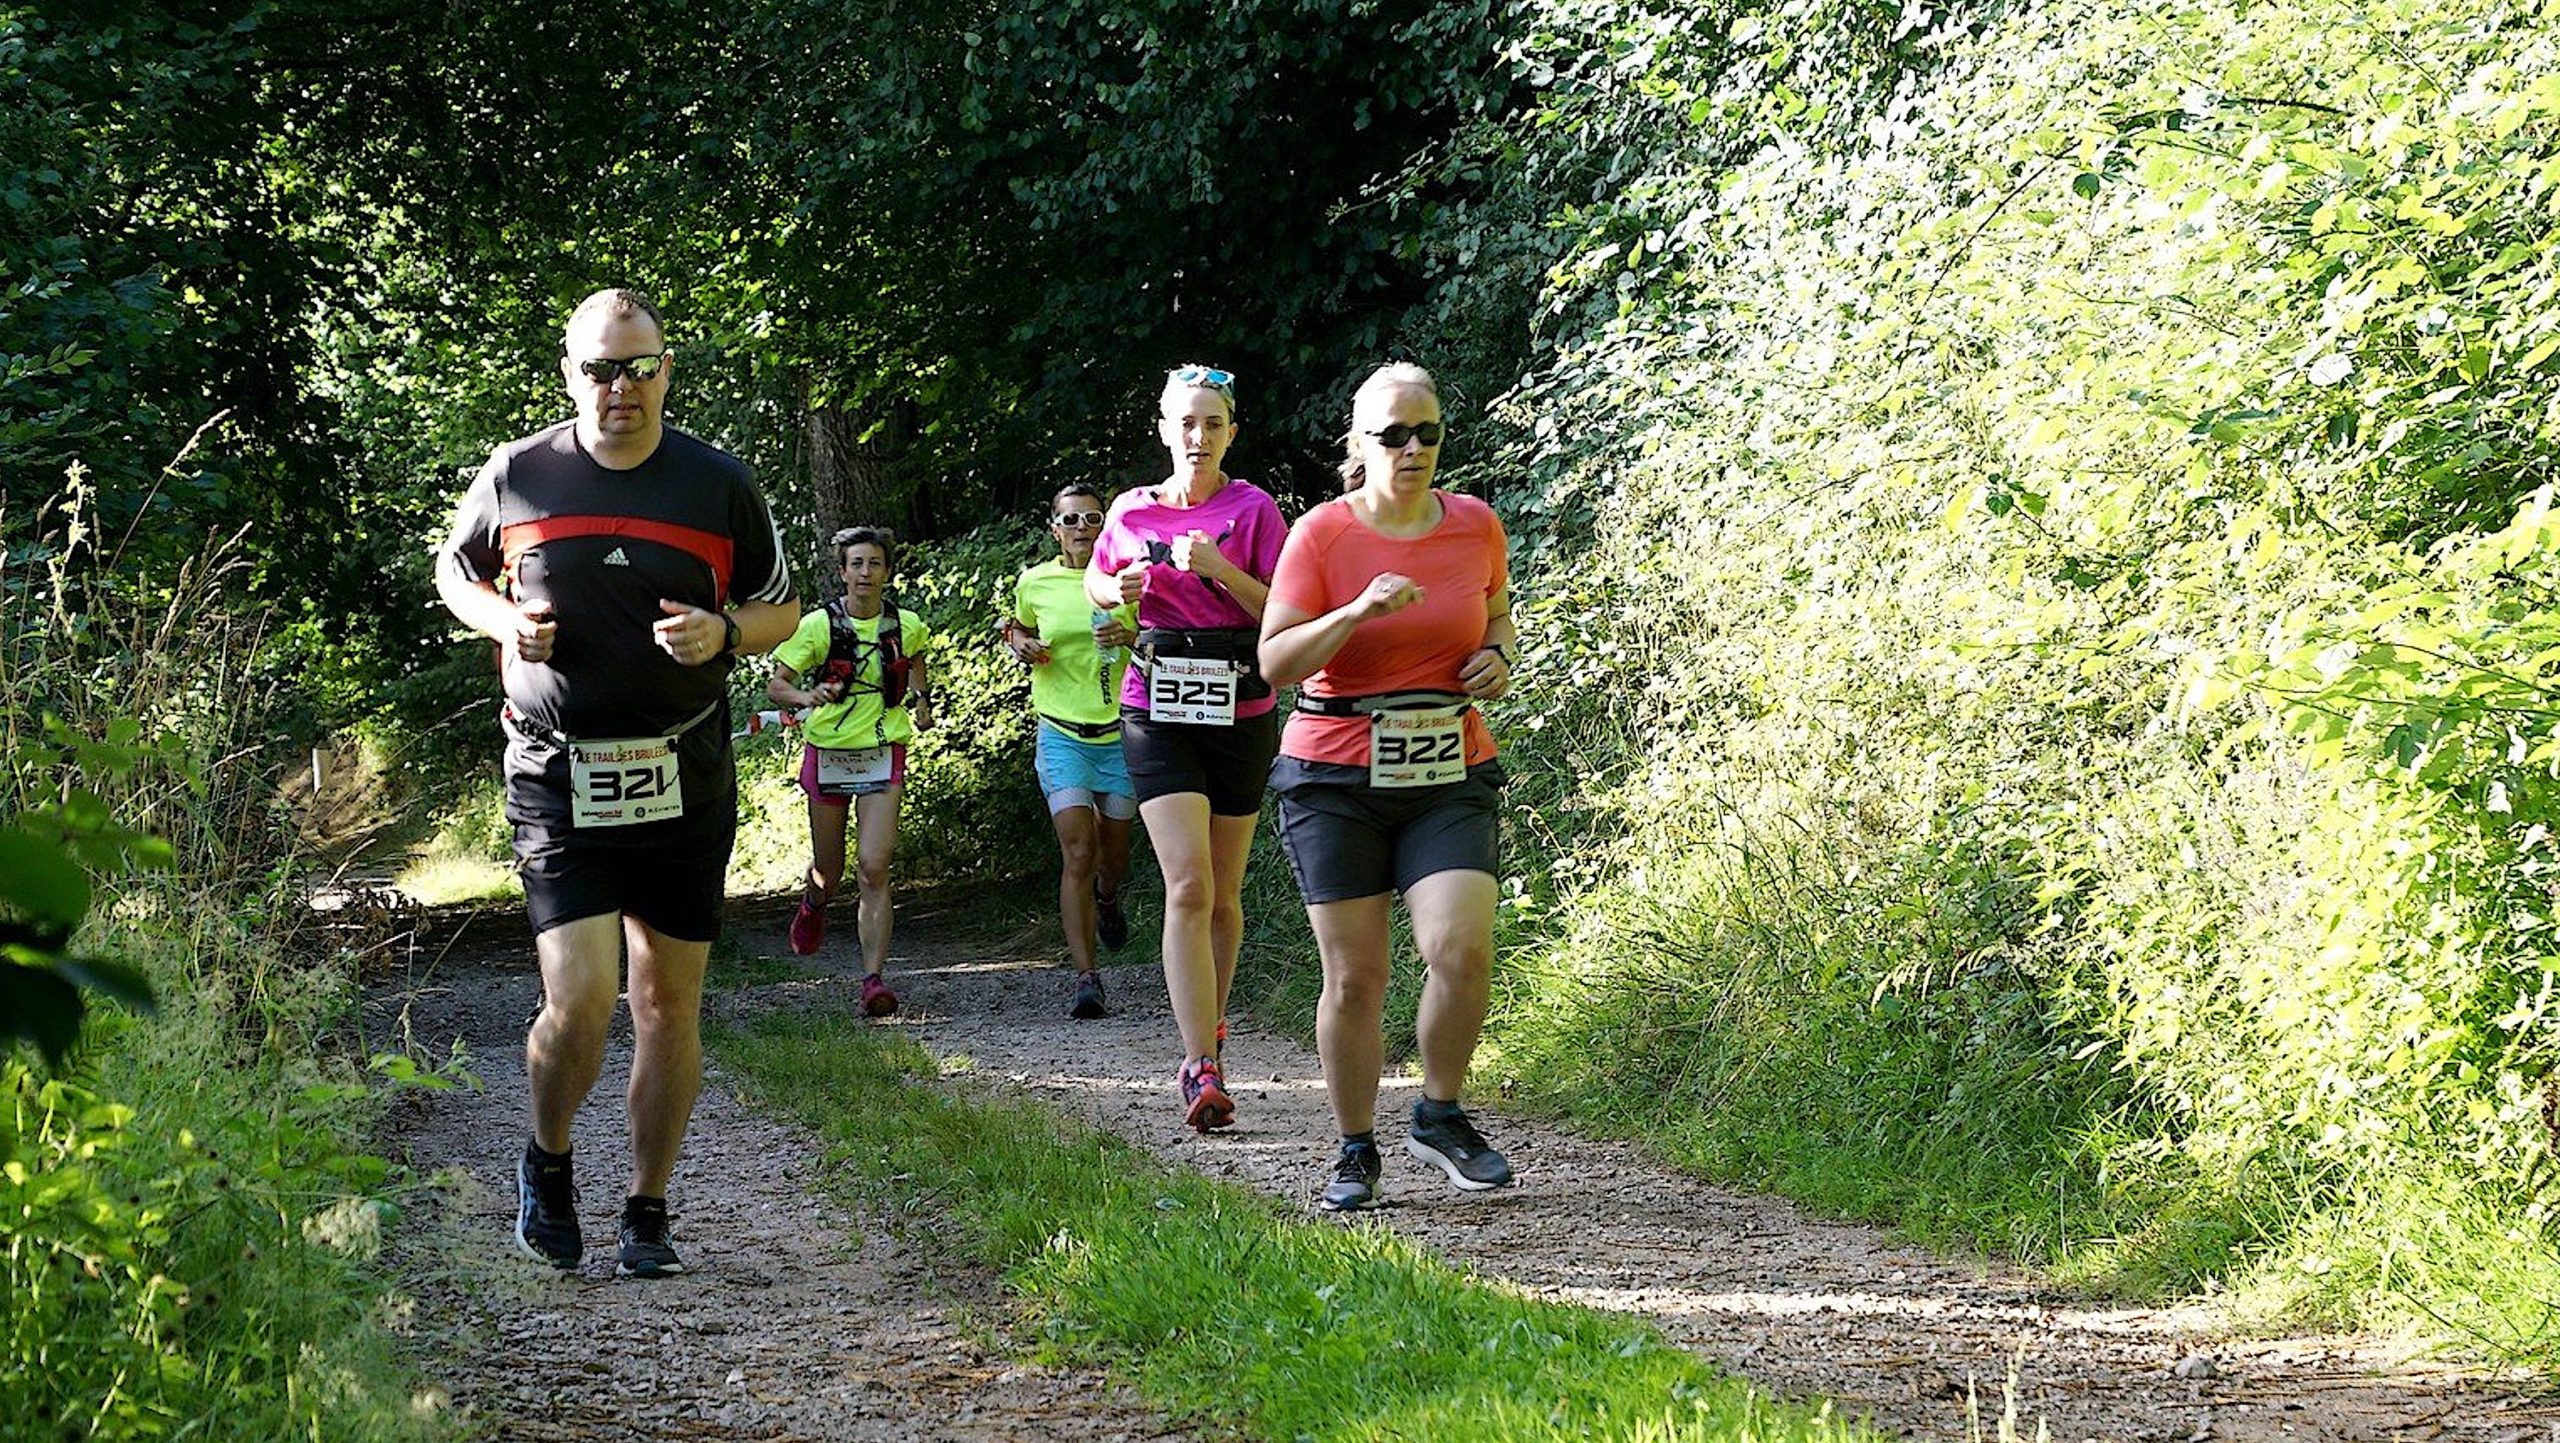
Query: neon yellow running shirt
{"x": 858, "y": 720}
{"x": 1077, "y": 683}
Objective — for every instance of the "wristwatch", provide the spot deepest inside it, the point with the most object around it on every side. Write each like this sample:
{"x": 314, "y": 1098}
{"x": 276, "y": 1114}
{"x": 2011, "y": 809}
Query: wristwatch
{"x": 729, "y": 641}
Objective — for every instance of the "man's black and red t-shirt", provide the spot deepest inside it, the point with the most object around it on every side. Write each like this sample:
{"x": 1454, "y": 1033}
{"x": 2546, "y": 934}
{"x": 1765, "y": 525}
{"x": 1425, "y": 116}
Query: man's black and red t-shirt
{"x": 544, "y": 522}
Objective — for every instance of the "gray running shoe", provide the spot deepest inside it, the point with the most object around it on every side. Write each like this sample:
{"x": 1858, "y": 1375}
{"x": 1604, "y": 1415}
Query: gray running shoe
{"x": 547, "y": 1210}
{"x": 1355, "y": 1179}
{"x": 645, "y": 1250}
{"x": 1443, "y": 1137}
{"x": 1088, "y": 1004}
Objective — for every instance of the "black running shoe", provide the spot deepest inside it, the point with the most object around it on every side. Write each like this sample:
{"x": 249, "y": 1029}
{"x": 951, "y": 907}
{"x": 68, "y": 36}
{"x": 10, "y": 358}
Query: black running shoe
{"x": 1355, "y": 1179}
{"x": 645, "y": 1252}
{"x": 1088, "y": 1004}
{"x": 547, "y": 1210}
{"x": 1110, "y": 922}
{"x": 1443, "y": 1137}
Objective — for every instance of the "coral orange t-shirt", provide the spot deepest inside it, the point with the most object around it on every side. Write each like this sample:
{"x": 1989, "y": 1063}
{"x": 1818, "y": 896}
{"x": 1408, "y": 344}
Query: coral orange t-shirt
{"x": 1331, "y": 557}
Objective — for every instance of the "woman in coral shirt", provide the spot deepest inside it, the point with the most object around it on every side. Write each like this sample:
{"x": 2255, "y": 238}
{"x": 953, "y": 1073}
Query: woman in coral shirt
{"x": 1393, "y": 606}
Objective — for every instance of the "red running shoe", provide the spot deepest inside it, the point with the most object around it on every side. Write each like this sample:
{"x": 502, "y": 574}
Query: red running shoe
{"x": 1204, "y": 1096}
{"x": 877, "y": 999}
{"x": 808, "y": 928}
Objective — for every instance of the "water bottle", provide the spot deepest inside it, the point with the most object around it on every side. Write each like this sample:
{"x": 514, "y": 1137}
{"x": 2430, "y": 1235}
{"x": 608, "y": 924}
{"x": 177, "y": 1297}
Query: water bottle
{"x": 765, "y": 721}
{"x": 1105, "y": 657}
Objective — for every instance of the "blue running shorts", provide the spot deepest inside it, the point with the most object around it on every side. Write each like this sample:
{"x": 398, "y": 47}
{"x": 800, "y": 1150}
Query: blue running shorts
{"x": 1078, "y": 773}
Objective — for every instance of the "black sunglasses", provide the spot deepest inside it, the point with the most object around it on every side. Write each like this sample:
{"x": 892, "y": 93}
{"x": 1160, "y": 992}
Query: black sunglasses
{"x": 604, "y": 369}
{"x": 1394, "y": 437}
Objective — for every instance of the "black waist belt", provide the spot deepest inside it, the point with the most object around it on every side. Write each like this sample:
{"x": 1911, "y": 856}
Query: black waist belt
{"x": 1221, "y": 643}
{"x": 1090, "y": 731}
{"x": 563, "y": 740}
{"x": 1379, "y": 701}
{"x": 1235, "y": 645}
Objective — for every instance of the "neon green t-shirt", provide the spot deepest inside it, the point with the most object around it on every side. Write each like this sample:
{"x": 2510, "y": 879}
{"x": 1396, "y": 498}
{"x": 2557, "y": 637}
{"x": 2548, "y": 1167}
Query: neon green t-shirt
{"x": 856, "y": 721}
{"x": 1077, "y": 683}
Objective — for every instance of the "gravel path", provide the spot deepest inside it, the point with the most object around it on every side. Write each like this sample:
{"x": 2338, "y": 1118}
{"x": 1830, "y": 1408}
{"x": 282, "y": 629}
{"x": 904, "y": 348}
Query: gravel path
{"x": 795, "y": 1321}
{"x": 804, "y": 1323}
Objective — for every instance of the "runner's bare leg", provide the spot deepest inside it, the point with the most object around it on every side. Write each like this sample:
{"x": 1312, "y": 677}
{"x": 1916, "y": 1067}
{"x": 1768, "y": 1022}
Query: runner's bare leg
{"x": 666, "y": 1053}
{"x": 581, "y": 965}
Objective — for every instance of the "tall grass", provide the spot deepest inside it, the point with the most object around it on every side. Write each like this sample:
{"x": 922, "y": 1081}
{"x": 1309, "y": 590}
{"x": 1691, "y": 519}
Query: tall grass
{"x": 2017, "y": 558}
{"x": 188, "y": 1220}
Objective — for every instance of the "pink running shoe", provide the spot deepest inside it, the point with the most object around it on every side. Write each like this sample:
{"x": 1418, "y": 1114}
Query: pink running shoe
{"x": 808, "y": 928}
{"x": 1204, "y": 1096}
{"x": 877, "y": 999}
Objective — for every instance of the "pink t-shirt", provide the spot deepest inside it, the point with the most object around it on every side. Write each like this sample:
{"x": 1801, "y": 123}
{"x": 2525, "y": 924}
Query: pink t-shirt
{"x": 1331, "y": 557}
{"x": 1246, "y": 523}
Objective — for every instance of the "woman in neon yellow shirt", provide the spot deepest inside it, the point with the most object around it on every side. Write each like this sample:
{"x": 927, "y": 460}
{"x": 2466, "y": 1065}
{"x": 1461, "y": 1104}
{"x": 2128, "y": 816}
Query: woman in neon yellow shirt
{"x": 1077, "y": 653}
{"x": 859, "y": 665}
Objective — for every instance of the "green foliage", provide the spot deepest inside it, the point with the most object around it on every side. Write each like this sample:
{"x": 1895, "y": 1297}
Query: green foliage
{"x": 977, "y": 194}
{"x": 192, "y": 1251}
{"x": 2017, "y": 568}
{"x": 189, "y": 1212}
{"x": 45, "y": 896}
{"x": 1226, "y": 1306}
{"x": 973, "y": 808}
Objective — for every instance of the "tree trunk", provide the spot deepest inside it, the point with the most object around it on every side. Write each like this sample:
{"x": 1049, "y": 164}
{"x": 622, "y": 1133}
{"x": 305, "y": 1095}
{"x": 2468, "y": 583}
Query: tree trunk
{"x": 853, "y": 473}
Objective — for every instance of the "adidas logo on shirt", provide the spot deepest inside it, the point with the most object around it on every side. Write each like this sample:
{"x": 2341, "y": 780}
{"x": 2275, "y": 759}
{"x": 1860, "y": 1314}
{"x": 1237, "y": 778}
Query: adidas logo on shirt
{"x": 616, "y": 558}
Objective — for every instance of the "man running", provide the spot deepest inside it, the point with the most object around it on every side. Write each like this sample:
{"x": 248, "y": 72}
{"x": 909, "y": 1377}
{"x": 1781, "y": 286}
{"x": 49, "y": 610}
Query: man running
{"x": 620, "y": 565}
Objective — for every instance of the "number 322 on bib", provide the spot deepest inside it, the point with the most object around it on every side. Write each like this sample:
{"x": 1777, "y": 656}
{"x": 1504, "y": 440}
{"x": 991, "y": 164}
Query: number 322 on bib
{"x": 1418, "y": 748}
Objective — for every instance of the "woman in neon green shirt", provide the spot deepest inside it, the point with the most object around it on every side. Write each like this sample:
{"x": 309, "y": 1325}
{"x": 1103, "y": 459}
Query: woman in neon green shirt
{"x": 1077, "y": 653}
{"x": 859, "y": 666}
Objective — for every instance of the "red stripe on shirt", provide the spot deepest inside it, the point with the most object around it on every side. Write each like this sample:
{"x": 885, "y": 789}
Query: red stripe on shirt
{"x": 715, "y": 551}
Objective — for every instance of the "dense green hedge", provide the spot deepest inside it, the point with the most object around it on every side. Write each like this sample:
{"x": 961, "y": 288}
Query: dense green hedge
{"x": 2020, "y": 560}
{"x": 190, "y": 1221}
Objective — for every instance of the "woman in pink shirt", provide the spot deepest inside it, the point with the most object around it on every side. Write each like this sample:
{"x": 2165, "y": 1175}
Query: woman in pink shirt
{"x": 1195, "y": 552}
{"x": 1393, "y": 606}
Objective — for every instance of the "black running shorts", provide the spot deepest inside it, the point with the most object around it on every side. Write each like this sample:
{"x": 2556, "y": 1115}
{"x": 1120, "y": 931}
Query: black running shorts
{"x": 1346, "y": 839}
{"x": 671, "y": 874}
{"x": 1230, "y": 765}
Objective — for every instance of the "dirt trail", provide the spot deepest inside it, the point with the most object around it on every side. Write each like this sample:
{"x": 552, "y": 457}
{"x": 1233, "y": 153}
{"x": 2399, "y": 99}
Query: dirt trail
{"x": 796, "y": 1320}
{"x": 803, "y": 1323}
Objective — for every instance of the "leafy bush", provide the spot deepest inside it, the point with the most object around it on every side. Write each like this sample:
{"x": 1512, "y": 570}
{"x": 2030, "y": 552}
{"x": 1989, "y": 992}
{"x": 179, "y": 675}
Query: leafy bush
{"x": 2019, "y": 572}
{"x": 189, "y": 1212}
{"x": 973, "y": 807}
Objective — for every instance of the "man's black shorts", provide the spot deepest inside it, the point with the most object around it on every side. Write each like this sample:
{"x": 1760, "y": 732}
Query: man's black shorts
{"x": 1230, "y": 765}
{"x": 1346, "y": 839}
{"x": 671, "y": 874}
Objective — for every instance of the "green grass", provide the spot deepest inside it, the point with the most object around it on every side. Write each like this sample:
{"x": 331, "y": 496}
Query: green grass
{"x": 1223, "y": 1305}
{"x": 731, "y": 969}
{"x": 189, "y": 1226}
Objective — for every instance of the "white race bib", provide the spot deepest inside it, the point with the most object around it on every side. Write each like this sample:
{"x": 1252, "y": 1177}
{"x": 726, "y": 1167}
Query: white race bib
{"x": 841, "y": 769}
{"x": 1423, "y": 747}
{"x": 1199, "y": 690}
{"x": 623, "y": 782}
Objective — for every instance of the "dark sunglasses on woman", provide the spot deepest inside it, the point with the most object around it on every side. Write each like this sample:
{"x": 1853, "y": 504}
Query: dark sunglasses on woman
{"x": 1394, "y": 437}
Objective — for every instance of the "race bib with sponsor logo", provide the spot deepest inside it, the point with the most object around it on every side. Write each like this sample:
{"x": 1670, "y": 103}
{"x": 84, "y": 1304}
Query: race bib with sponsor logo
{"x": 623, "y": 782}
{"x": 1198, "y": 690}
{"x": 1420, "y": 747}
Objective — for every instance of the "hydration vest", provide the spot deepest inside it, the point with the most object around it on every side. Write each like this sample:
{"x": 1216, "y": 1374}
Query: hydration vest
{"x": 845, "y": 647}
